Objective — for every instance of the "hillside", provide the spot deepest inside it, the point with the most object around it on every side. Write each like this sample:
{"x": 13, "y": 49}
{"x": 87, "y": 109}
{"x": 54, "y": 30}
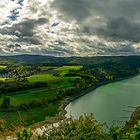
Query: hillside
{"x": 86, "y": 61}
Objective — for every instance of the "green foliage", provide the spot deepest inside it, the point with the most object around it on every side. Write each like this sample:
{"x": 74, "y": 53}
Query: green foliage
{"x": 6, "y": 103}
{"x": 134, "y": 132}
{"x": 24, "y": 134}
{"x": 84, "y": 128}
{"x": 119, "y": 133}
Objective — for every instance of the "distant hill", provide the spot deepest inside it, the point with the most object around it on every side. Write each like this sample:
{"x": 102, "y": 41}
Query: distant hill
{"x": 133, "y": 61}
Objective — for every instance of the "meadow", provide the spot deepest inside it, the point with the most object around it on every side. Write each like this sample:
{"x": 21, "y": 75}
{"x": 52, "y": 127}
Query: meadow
{"x": 55, "y": 78}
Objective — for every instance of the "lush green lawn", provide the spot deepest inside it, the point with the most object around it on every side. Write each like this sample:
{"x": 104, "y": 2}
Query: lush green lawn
{"x": 42, "y": 78}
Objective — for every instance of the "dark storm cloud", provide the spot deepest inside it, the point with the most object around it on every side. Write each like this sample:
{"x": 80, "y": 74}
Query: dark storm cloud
{"x": 78, "y": 9}
{"x": 24, "y": 30}
{"x": 111, "y": 18}
{"x": 121, "y": 28}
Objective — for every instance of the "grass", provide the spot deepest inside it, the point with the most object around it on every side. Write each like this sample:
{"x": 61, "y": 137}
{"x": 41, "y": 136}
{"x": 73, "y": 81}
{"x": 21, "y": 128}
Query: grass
{"x": 65, "y": 69}
{"x": 65, "y": 82}
{"x": 42, "y": 78}
{"x": 29, "y": 95}
{"x": 54, "y": 83}
{"x": 49, "y": 78}
{"x": 30, "y": 116}
{"x": 61, "y": 70}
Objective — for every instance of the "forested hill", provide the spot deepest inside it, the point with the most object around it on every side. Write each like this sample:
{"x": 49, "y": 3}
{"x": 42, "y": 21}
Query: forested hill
{"x": 133, "y": 61}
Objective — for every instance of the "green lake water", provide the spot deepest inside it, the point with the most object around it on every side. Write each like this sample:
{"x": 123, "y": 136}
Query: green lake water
{"x": 111, "y": 103}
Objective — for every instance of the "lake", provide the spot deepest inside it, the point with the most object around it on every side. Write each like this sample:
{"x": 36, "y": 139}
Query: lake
{"x": 112, "y": 103}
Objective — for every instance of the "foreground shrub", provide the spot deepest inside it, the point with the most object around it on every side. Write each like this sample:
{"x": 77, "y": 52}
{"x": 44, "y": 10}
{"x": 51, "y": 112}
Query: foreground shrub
{"x": 24, "y": 134}
{"x": 85, "y": 128}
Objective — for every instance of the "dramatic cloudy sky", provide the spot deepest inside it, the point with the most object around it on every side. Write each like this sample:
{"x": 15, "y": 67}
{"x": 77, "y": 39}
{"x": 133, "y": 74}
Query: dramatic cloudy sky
{"x": 70, "y": 27}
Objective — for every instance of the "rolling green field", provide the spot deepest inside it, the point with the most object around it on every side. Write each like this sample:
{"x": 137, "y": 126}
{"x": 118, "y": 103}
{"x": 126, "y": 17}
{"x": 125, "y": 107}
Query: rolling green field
{"x": 42, "y": 78}
{"x": 65, "y": 69}
{"x": 29, "y": 95}
{"x": 55, "y": 78}
{"x": 60, "y": 70}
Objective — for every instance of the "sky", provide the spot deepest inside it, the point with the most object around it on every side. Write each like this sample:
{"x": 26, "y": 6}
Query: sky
{"x": 70, "y": 27}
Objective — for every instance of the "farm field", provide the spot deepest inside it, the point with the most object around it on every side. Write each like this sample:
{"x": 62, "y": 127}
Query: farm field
{"x": 35, "y": 88}
{"x": 55, "y": 78}
{"x": 42, "y": 78}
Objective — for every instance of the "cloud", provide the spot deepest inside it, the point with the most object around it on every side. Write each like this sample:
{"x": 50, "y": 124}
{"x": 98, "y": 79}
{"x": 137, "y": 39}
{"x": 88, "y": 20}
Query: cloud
{"x": 70, "y": 27}
{"x": 110, "y": 18}
{"x": 121, "y": 28}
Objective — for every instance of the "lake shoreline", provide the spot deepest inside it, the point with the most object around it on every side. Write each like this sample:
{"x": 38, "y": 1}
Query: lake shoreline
{"x": 62, "y": 109}
{"x": 85, "y": 91}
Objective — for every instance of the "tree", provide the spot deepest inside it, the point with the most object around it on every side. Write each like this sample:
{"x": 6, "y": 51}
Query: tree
{"x": 6, "y": 103}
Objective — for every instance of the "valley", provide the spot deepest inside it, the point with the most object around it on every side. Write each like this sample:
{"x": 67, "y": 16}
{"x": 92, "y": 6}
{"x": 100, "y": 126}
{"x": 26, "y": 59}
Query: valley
{"x": 32, "y": 91}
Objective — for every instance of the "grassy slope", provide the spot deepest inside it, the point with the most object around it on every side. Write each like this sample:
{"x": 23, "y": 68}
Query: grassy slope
{"x": 39, "y": 113}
